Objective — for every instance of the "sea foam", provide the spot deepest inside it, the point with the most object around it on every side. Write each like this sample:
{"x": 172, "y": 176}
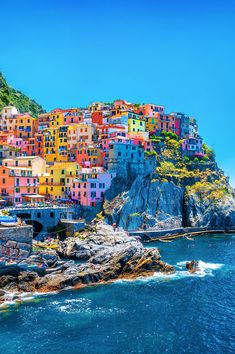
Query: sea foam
{"x": 204, "y": 269}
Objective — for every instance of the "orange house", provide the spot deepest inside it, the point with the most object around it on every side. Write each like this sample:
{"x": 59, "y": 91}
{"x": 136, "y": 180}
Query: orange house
{"x": 25, "y": 126}
{"x": 6, "y": 184}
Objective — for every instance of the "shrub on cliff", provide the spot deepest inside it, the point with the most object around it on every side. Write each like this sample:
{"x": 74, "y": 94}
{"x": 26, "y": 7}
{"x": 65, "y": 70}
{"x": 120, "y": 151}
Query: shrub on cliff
{"x": 209, "y": 152}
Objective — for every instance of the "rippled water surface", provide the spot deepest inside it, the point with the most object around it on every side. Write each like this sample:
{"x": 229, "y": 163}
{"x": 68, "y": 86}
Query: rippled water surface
{"x": 175, "y": 314}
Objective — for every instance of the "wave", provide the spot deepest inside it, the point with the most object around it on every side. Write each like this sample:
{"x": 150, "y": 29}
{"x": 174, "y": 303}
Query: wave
{"x": 12, "y": 299}
{"x": 204, "y": 269}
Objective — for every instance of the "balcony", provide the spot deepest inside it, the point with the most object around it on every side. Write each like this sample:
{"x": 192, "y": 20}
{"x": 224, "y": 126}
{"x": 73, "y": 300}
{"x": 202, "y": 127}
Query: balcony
{"x": 52, "y": 184}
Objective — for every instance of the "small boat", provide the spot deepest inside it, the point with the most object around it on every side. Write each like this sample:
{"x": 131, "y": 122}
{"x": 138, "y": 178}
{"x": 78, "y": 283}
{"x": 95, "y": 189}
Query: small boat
{"x": 162, "y": 240}
{"x": 9, "y": 224}
{"x": 189, "y": 238}
{"x": 6, "y": 218}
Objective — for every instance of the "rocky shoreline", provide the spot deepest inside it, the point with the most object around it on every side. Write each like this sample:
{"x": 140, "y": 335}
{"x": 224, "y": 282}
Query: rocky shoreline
{"x": 108, "y": 254}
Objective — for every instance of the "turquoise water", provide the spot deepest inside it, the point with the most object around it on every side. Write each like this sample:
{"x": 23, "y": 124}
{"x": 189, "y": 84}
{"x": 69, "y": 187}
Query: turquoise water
{"x": 162, "y": 314}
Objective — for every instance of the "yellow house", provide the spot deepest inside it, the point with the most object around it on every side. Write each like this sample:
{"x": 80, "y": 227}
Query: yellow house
{"x": 56, "y": 118}
{"x": 151, "y": 124}
{"x": 135, "y": 123}
{"x": 62, "y": 143}
{"x": 50, "y": 146}
{"x": 56, "y": 144}
{"x": 57, "y": 181}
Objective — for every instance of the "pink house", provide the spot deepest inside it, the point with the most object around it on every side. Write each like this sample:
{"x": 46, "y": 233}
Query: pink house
{"x": 16, "y": 142}
{"x": 89, "y": 188}
{"x": 26, "y": 170}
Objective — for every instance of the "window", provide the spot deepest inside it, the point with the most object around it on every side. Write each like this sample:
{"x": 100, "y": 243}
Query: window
{"x": 51, "y": 214}
{"x": 119, "y": 153}
{"x": 38, "y": 215}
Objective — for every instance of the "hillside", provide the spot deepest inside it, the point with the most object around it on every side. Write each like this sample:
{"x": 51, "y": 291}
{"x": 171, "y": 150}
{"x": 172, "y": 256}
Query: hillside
{"x": 10, "y": 96}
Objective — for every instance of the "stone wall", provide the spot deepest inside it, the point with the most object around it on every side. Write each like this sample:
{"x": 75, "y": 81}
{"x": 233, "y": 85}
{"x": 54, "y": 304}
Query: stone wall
{"x": 16, "y": 242}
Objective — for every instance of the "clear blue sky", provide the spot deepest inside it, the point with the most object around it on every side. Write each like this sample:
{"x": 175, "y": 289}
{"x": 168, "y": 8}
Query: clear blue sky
{"x": 178, "y": 53}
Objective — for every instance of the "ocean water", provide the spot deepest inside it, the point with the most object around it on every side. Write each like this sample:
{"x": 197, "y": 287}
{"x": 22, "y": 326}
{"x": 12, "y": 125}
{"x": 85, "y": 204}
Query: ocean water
{"x": 178, "y": 313}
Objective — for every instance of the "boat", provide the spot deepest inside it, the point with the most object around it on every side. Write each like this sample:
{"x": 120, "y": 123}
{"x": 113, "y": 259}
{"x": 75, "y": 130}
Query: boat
{"x": 7, "y": 218}
{"x": 164, "y": 240}
{"x": 9, "y": 224}
{"x": 9, "y": 221}
{"x": 189, "y": 238}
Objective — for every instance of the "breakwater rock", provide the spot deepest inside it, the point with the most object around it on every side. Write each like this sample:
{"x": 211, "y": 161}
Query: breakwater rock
{"x": 109, "y": 255}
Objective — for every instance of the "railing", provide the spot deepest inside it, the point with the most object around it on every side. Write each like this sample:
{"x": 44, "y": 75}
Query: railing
{"x": 52, "y": 184}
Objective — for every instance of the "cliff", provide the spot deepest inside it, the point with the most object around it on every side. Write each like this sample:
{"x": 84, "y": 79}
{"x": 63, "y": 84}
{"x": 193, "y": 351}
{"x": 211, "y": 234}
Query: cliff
{"x": 10, "y": 96}
{"x": 179, "y": 192}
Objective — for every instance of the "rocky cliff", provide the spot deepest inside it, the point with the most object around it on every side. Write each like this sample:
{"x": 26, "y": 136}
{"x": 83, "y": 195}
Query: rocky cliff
{"x": 178, "y": 192}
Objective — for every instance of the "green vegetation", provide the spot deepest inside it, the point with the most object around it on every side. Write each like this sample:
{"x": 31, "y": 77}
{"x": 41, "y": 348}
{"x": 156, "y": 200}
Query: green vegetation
{"x": 214, "y": 191}
{"x": 209, "y": 152}
{"x": 10, "y": 96}
{"x": 150, "y": 153}
{"x": 169, "y": 135}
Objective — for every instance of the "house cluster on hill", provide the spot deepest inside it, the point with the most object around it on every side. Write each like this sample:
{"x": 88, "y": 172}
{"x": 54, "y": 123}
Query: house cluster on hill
{"x": 73, "y": 154}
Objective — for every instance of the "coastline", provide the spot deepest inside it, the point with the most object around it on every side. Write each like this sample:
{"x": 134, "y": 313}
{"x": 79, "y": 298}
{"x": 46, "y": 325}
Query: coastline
{"x": 56, "y": 281}
{"x": 109, "y": 254}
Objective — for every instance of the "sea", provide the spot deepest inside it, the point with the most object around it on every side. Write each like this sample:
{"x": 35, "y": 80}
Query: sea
{"x": 178, "y": 313}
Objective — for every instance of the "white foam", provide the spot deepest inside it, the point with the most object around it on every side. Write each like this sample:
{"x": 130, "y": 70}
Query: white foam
{"x": 204, "y": 269}
{"x": 12, "y": 299}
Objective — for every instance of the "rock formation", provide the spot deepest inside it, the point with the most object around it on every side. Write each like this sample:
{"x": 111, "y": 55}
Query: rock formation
{"x": 109, "y": 255}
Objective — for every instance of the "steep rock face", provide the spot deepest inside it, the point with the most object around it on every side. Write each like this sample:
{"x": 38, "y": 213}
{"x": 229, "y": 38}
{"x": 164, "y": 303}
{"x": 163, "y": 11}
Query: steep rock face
{"x": 203, "y": 212}
{"x": 151, "y": 202}
{"x": 165, "y": 205}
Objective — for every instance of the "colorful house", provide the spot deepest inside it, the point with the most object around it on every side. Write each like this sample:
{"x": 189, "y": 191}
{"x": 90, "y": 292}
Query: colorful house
{"x": 25, "y": 172}
{"x": 7, "y": 118}
{"x": 25, "y": 126}
{"x": 89, "y": 188}
{"x": 192, "y": 145}
{"x": 136, "y": 122}
{"x": 7, "y": 191}
{"x": 57, "y": 181}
